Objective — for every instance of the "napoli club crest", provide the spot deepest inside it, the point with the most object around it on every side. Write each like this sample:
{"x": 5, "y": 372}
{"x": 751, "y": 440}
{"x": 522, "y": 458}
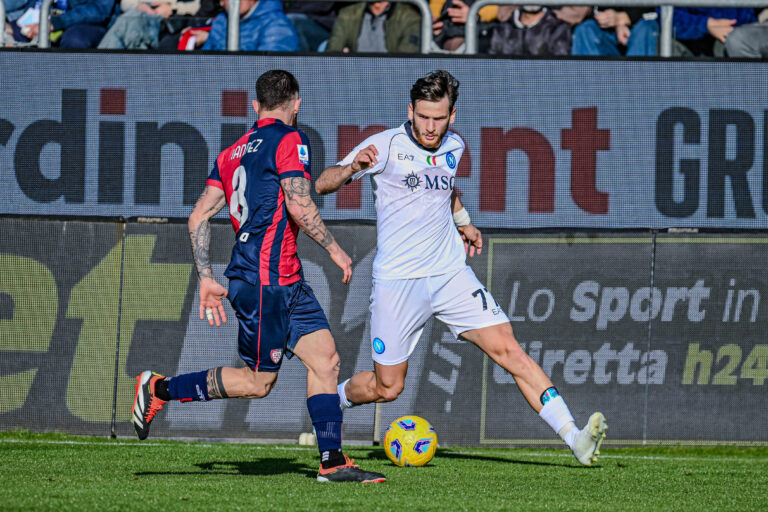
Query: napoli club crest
{"x": 451, "y": 160}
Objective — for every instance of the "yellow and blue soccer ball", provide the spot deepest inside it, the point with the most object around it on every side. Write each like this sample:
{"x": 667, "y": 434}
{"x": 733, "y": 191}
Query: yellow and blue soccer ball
{"x": 410, "y": 441}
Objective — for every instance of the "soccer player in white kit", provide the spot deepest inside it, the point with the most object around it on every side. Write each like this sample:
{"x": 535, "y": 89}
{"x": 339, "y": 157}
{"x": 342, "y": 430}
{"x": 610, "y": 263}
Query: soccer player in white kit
{"x": 420, "y": 270}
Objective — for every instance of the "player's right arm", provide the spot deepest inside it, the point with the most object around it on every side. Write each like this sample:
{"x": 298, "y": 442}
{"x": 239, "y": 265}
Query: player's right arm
{"x": 335, "y": 176}
{"x": 211, "y": 201}
{"x": 304, "y": 212}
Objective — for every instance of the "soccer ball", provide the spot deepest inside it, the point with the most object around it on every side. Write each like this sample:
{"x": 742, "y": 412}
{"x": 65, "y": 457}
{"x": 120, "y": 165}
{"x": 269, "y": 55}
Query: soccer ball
{"x": 410, "y": 441}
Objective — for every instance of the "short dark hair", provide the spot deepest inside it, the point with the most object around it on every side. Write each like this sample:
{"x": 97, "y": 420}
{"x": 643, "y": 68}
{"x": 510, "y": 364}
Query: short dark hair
{"x": 275, "y": 88}
{"x": 434, "y": 87}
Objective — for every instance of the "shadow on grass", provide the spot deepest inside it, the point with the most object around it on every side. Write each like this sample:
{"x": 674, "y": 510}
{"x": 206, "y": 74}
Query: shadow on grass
{"x": 259, "y": 467}
{"x": 378, "y": 454}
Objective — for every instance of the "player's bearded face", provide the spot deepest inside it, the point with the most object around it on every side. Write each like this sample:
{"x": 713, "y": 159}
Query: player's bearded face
{"x": 430, "y": 120}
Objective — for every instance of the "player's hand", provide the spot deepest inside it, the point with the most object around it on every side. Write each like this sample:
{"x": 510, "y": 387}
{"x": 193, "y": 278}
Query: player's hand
{"x": 720, "y": 28}
{"x": 458, "y": 13}
{"x": 473, "y": 239}
{"x": 342, "y": 260}
{"x": 622, "y": 34}
{"x": 211, "y": 307}
{"x": 365, "y": 158}
{"x": 608, "y": 18}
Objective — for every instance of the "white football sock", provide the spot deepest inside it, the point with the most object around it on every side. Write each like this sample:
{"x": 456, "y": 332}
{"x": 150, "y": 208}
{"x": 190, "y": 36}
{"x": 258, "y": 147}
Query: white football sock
{"x": 557, "y": 416}
{"x": 345, "y": 403}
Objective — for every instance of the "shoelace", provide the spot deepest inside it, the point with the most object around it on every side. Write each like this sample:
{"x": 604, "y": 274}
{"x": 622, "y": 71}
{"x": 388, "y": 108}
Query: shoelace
{"x": 155, "y": 404}
{"x": 350, "y": 463}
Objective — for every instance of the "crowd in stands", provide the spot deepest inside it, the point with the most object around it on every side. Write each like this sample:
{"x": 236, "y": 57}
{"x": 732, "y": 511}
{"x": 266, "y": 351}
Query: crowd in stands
{"x": 388, "y": 27}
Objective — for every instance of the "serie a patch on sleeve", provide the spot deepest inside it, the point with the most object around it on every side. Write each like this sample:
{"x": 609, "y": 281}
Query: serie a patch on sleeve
{"x": 303, "y": 153}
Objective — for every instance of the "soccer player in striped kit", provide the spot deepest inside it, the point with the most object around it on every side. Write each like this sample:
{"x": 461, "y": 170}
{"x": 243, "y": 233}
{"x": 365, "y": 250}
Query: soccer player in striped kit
{"x": 264, "y": 178}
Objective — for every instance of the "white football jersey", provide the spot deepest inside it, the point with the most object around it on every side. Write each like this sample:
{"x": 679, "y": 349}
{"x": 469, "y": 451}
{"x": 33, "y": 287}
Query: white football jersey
{"x": 412, "y": 189}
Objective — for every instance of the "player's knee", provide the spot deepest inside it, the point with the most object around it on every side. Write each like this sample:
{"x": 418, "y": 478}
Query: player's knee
{"x": 389, "y": 393}
{"x": 327, "y": 368}
{"x": 260, "y": 384}
{"x": 260, "y": 389}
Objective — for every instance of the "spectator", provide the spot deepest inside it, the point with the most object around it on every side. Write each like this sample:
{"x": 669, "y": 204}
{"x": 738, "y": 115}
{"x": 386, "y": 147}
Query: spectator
{"x": 633, "y": 32}
{"x": 313, "y": 22}
{"x": 14, "y": 9}
{"x": 140, "y": 25}
{"x": 376, "y": 27}
{"x": 702, "y": 31}
{"x": 532, "y": 30}
{"x": 84, "y": 23}
{"x": 190, "y": 27}
{"x": 263, "y": 27}
{"x": 749, "y": 40}
{"x": 450, "y": 18}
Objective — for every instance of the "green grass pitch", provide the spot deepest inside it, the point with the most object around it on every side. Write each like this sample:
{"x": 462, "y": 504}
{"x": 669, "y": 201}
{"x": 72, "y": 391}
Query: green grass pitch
{"x": 60, "y": 472}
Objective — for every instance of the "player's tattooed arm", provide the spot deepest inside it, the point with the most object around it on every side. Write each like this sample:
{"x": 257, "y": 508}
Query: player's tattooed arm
{"x": 215, "y": 384}
{"x": 304, "y": 211}
{"x": 211, "y": 201}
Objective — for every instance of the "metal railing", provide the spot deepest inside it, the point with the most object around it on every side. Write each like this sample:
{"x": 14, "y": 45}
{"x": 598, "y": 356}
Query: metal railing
{"x": 233, "y": 23}
{"x": 2, "y": 19}
{"x": 665, "y": 23}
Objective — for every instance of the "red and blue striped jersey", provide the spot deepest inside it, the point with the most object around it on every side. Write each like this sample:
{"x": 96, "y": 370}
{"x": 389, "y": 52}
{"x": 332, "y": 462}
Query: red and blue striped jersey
{"x": 249, "y": 172}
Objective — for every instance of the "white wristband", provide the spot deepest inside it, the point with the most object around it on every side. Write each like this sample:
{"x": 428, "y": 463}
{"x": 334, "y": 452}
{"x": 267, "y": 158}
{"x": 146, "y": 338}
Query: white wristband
{"x": 461, "y": 218}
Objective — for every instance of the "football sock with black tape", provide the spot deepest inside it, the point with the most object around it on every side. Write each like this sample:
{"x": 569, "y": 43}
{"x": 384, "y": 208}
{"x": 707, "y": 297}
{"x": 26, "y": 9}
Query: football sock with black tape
{"x": 325, "y": 412}
{"x": 189, "y": 387}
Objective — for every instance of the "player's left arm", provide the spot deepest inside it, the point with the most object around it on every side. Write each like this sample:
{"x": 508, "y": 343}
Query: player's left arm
{"x": 473, "y": 239}
{"x": 211, "y": 201}
{"x": 304, "y": 212}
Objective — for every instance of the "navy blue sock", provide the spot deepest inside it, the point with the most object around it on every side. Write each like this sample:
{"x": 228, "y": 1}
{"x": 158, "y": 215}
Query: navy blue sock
{"x": 325, "y": 412}
{"x": 190, "y": 386}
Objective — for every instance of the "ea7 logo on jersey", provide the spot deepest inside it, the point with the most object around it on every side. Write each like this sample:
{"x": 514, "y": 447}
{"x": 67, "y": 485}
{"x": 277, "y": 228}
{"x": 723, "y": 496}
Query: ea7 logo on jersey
{"x": 303, "y": 153}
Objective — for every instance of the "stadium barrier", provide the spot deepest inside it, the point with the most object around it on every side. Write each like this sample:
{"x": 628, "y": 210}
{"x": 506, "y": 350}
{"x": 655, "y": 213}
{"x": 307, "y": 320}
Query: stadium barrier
{"x": 550, "y": 143}
{"x": 2, "y": 17}
{"x": 662, "y": 331}
{"x": 665, "y": 333}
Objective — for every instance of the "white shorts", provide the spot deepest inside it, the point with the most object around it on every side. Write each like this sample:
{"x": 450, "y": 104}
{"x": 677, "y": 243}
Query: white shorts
{"x": 401, "y": 307}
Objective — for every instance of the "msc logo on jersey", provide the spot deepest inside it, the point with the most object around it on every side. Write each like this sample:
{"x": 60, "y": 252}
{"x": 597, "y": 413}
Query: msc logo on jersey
{"x": 439, "y": 182}
{"x": 378, "y": 346}
{"x": 303, "y": 153}
{"x": 412, "y": 181}
{"x": 451, "y": 160}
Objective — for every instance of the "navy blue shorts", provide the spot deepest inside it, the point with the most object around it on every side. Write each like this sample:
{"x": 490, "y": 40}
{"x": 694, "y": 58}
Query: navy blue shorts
{"x": 272, "y": 319}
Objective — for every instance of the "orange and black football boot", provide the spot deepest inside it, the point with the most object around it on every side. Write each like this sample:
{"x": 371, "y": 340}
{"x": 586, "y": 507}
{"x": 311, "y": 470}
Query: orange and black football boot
{"x": 146, "y": 405}
{"x": 349, "y": 472}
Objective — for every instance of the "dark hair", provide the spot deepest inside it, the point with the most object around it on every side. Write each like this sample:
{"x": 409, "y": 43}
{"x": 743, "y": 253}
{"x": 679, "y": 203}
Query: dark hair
{"x": 434, "y": 87}
{"x": 275, "y": 88}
